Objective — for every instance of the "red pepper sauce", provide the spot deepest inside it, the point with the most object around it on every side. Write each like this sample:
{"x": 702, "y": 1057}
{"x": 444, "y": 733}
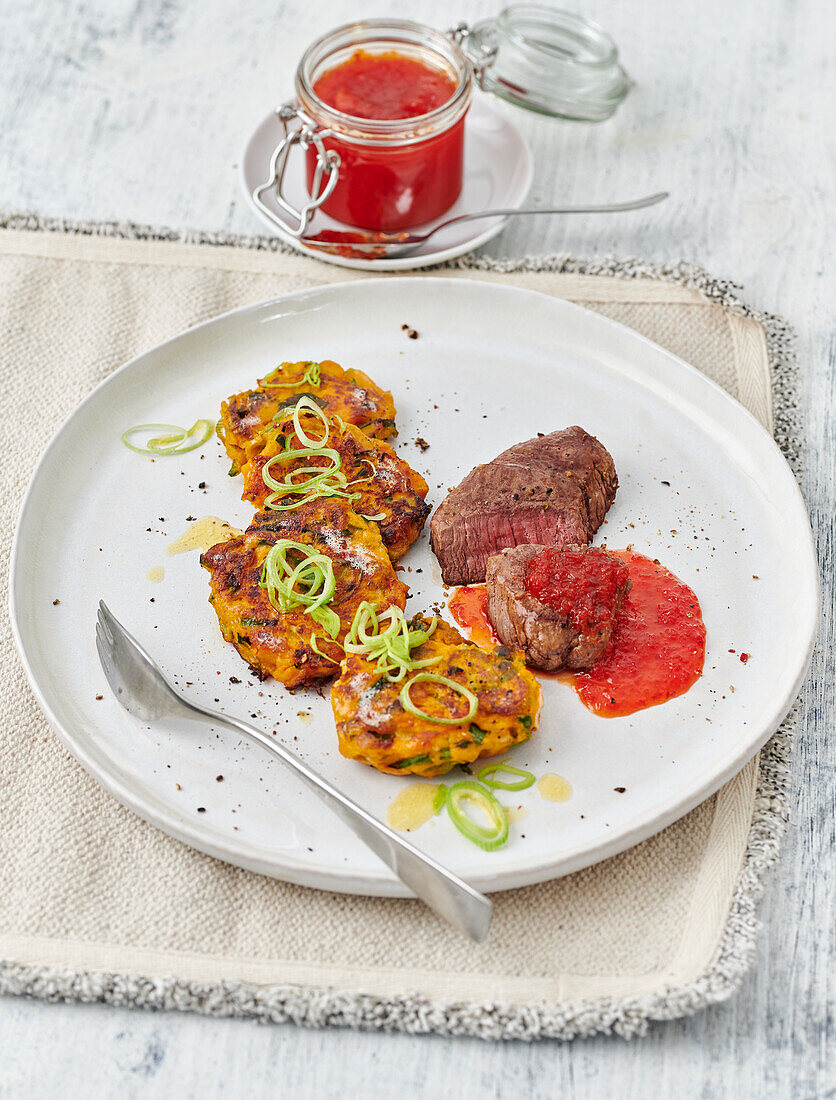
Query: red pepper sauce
{"x": 383, "y": 86}
{"x": 469, "y": 607}
{"x": 341, "y": 243}
{"x": 658, "y": 647}
{"x": 397, "y": 184}
{"x": 657, "y": 650}
{"x": 580, "y": 584}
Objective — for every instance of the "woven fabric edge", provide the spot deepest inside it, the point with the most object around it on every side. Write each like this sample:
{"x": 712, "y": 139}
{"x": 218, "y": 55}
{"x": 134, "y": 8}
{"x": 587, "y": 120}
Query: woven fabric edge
{"x": 412, "y": 1013}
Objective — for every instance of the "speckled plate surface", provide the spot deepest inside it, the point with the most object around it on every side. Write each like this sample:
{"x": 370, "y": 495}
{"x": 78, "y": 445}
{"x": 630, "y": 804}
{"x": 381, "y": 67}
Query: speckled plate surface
{"x": 703, "y": 488}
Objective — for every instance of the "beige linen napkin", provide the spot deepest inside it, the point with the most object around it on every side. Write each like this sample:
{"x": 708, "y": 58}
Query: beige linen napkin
{"x": 94, "y": 903}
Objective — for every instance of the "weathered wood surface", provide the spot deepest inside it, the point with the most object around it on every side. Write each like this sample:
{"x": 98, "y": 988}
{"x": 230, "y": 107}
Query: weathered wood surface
{"x": 138, "y": 110}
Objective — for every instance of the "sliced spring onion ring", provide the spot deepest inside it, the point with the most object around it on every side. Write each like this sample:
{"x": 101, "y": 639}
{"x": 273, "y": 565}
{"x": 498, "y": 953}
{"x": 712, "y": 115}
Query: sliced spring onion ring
{"x": 317, "y": 481}
{"x": 488, "y": 838}
{"x": 373, "y": 519}
{"x": 318, "y": 651}
{"x": 311, "y": 377}
{"x": 171, "y": 442}
{"x": 430, "y": 677}
{"x": 439, "y": 798}
{"x": 305, "y": 404}
{"x": 485, "y": 776}
{"x": 314, "y": 576}
{"x": 391, "y": 647}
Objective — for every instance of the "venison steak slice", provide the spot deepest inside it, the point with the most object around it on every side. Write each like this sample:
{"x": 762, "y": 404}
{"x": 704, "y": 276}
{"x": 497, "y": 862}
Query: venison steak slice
{"x": 559, "y": 605}
{"x": 553, "y": 490}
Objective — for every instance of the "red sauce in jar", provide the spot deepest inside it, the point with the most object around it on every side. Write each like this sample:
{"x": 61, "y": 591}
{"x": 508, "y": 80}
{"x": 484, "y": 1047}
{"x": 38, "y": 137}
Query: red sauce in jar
{"x": 384, "y": 85}
{"x": 469, "y": 607}
{"x": 580, "y": 584}
{"x": 657, "y": 649}
{"x": 392, "y": 185}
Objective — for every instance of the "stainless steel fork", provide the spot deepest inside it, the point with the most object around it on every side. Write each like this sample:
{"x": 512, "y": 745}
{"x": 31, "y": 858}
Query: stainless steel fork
{"x": 143, "y": 691}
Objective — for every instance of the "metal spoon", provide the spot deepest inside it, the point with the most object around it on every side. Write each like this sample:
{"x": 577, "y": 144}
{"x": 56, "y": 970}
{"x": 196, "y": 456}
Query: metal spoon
{"x": 364, "y": 244}
{"x": 143, "y": 691}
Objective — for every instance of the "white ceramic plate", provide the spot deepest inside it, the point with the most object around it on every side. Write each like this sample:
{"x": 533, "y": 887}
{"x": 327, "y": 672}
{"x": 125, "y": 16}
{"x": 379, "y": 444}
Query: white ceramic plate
{"x": 497, "y": 173}
{"x": 492, "y": 366}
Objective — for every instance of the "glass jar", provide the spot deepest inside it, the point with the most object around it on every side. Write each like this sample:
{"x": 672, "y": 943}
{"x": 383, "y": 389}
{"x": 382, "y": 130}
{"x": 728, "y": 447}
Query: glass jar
{"x": 393, "y": 173}
{"x": 553, "y": 62}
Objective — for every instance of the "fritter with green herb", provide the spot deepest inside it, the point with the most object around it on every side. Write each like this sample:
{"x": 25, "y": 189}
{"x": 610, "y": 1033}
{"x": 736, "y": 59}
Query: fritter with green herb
{"x": 350, "y": 394}
{"x": 408, "y": 724}
{"x": 286, "y": 591}
{"x": 307, "y": 454}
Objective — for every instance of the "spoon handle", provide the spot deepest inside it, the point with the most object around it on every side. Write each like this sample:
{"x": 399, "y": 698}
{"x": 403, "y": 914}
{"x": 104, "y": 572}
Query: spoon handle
{"x": 445, "y": 893}
{"x": 608, "y": 208}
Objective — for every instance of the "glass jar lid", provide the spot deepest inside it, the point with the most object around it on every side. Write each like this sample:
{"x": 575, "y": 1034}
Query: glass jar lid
{"x": 549, "y": 61}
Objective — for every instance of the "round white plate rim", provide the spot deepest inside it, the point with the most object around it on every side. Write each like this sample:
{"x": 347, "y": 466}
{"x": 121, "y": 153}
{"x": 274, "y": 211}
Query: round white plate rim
{"x": 416, "y": 260}
{"x": 384, "y": 883}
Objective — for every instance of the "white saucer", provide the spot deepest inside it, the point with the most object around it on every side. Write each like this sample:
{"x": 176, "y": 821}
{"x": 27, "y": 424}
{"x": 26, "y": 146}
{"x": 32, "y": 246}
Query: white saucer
{"x": 498, "y": 170}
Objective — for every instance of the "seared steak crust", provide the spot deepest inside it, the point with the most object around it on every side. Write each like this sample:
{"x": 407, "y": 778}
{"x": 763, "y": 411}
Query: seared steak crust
{"x": 546, "y": 635}
{"x": 553, "y": 490}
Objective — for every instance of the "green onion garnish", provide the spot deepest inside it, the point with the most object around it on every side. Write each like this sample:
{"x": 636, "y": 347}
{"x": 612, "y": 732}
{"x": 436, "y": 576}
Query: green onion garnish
{"x": 439, "y": 798}
{"x": 487, "y": 838}
{"x": 429, "y": 677}
{"x": 314, "y": 576}
{"x": 311, "y": 377}
{"x": 307, "y": 404}
{"x": 171, "y": 442}
{"x": 318, "y": 651}
{"x": 317, "y": 481}
{"x": 485, "y": 776}
{"x": 391, "y": 647}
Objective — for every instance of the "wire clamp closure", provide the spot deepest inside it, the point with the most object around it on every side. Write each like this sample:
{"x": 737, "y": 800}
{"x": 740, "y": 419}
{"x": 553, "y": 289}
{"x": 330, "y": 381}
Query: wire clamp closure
{"x": 306, "y": 135}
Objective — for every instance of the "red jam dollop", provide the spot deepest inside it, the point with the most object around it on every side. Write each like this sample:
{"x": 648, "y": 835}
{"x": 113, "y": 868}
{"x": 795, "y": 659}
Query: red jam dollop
{"x": 469, "y": 607}
{"x": 396, "y": 184}
{"x": 657, "y": 649}
{"x": 384, "y": 86}
{"x": 580, "y": 584}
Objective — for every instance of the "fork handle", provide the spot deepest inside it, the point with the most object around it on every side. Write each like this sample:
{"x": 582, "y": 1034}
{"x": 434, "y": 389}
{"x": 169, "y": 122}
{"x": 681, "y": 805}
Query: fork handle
{"x": 445, "y": 893}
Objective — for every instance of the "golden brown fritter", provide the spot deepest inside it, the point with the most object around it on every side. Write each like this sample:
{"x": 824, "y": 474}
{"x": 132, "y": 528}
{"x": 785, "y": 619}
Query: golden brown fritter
{"x": 350, "y": 394}
{"x": 374, "y": 728}
{"x": 383, "y": 486}
{"x": 276, "y": 643}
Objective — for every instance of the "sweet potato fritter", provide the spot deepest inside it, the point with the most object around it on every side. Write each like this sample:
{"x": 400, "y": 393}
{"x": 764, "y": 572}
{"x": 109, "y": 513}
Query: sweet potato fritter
{"x": 276, "y": 643}
{"x": 350, "y": 394}
{"x": 385, "y": 485}
{"x": 374, "y": 728}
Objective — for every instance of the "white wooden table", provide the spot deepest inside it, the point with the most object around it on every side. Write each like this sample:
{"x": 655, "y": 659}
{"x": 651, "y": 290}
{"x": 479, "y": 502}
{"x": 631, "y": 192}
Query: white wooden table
{"x": 139, "y": 110}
